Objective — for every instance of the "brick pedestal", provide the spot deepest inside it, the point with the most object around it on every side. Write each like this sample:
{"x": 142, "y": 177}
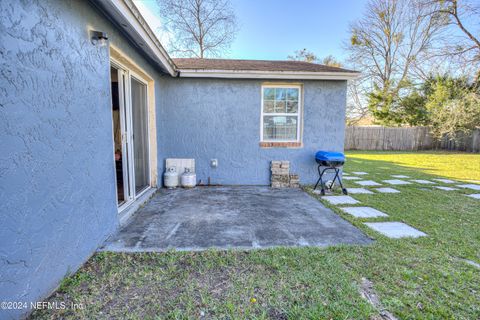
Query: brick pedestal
{"x": 281, "y": 177}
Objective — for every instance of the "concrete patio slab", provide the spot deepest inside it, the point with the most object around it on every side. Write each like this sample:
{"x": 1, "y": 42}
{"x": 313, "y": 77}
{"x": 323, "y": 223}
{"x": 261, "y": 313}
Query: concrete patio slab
{"x": 340, "y": 200}
{"x": 445, "y": 188}
{"x": 469, "y": 186}
{"x": 400, "y": 176}
{"x": 420, "y": 181}
{"x": 397, "y": 182}
{"x": 387, "y": 190}
{"x": 359, "y": 191}
{"x": 364, "y": 212}
{"x": 350, "y": 178}
{"x": 232, "y": 217}
{"x": 395, "y": 229}
{"x": 444, "y": 180}
{"x": 474, "y": 195}
{"x": 367, "y": 183}
{"x": 359, "y": 173}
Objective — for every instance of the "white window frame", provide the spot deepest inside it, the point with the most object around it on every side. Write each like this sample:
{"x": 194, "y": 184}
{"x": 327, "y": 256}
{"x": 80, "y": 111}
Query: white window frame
{"x": 298, "y": 114}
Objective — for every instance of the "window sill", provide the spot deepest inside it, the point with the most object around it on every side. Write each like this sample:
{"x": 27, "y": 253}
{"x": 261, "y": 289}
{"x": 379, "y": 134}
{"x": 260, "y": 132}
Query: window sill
{"x": 280, "y": 144}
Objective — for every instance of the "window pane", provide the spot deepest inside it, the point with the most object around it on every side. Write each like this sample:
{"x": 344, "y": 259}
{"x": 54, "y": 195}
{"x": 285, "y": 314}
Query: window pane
{"x": 292, "y": 94}
{"x": 280, "y": 94}
{"x": 268, "y": 106}
{"x": 280, "y": 107}
{"x": 292, "y": 106}
{"x": 280, "y": 128}
{"x": 268, "y": 94}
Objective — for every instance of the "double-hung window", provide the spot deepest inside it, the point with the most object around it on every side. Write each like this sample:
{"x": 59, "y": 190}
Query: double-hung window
{"x": 281, "y": 112}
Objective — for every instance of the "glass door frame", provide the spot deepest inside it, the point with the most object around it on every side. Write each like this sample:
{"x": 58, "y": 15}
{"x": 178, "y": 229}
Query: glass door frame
{"x": 138, "y": 78}
{"x": 126, "y": 122}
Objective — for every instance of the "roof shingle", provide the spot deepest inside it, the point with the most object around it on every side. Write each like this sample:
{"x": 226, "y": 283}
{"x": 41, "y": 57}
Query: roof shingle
{"x": 256, "y": 65}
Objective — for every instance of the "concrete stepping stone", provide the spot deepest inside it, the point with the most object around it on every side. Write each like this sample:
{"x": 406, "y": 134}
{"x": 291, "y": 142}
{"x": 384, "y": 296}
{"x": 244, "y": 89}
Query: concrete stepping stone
{"x": 364, "y": 212}
{"x": 397, "y": 182}
{"x": 359, "y": 173}
{"x": 367, "y": 183}
{"x": 395, "y": 230}
{"x": 469, "y": 186}
{"x": 359, "y": 191}
{"x": 340, "y": 200}
{"x": 420, "y": 181}
{"x": 327, "y": 191}
{"x": 445, "y": 188}
{"x": 474, "y": 196}
{"x": 350, "y": 178}
{"x": 444, "y": 180}
{"x": 400, "y": 176}
{"x": 387, "y": 190}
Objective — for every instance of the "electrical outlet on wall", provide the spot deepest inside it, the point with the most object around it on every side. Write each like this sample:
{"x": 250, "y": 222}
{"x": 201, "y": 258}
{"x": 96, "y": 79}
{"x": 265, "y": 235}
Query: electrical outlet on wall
{"x": 213, "y": 163}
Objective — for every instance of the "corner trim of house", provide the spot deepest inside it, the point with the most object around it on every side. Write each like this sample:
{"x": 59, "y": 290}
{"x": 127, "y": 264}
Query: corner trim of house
{"x": 256, "y": 74}
{"x": 126, "y": 214}
{"x": 127, "y": 16}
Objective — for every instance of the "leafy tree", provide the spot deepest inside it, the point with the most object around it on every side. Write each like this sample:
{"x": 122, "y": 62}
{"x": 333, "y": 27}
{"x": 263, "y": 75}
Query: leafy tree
{"x": 304, "y": 55}
{"x": 331, "y": 61}
{"x": 453, "y": 106}
{"x": 381, "y": 105}
{"x": 199, "y": 28}
{"x": 308, "y": 56}
{"x": 413, "y": 110}
{"x": 390, "y": 109}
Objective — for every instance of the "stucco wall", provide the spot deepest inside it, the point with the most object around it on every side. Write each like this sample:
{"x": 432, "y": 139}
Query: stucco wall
{"x": 215, "y": 118}
{"x": 57, "y": 190}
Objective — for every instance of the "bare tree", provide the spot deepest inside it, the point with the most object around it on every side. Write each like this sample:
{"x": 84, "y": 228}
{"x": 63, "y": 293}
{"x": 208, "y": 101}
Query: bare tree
{"x": 462, "y": 43}
{"x": 199, "y": 28}
{"x": 387, "y": 43}
{"x": 357, "y": 104}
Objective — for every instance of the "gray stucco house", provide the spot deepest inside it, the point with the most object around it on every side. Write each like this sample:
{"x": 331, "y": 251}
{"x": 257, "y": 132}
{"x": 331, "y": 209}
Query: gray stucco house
{"x": 86, "y": 124}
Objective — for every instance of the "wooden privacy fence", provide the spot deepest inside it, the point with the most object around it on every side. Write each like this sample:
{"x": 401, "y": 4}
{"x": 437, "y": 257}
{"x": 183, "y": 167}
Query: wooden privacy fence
{"x": 405, "y": 139}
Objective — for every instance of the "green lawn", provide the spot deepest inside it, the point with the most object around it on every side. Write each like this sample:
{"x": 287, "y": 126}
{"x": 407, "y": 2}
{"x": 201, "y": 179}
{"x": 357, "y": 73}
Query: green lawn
{"x": 424, "y": 278}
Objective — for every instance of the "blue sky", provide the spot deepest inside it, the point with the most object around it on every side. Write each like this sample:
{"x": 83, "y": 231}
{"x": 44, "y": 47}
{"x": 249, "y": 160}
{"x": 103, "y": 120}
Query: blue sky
{"x": 272, "y": 29}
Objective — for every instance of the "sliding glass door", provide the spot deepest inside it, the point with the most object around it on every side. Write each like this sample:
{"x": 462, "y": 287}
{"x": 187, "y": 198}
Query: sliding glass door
{"x": 140, "y": 134}
{"x": 129, "y": 97}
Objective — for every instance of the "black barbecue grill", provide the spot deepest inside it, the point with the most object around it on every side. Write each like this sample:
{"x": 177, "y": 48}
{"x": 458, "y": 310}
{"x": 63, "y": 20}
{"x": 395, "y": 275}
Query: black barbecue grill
{"x": 330, "y": 161}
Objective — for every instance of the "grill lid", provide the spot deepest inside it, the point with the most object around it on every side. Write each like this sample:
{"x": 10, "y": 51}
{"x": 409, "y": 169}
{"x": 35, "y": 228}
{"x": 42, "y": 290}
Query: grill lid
{"x": 330, "y": 156}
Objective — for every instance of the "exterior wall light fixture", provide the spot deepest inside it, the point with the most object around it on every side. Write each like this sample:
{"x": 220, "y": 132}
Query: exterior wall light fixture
{"x": 99, "y": 38}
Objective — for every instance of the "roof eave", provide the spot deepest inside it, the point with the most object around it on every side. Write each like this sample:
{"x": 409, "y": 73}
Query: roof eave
{"x": 255, "y": 74}
{"x": 125, "y": 14}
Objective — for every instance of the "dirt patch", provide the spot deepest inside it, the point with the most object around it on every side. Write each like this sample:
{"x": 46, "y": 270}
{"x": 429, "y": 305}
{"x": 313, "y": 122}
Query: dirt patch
{"x": 368, "y": 293}
{"x": 277, "y": 314}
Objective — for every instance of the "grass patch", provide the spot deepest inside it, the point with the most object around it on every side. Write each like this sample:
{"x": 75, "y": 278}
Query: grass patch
{"x": 421, "y": 278}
